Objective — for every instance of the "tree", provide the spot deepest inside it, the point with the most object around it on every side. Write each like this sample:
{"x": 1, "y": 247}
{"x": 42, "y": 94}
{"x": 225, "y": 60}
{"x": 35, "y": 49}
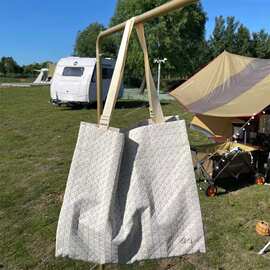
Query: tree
{"x": 217, "y": 39}
{"x": 86, "y": 42}
{"x": 30, "y": 70}
{"x": 178, "y": 36}
{"x": 243, "y": 41}
{"x": 9, "y": 66}
{"x": 230, "y": 34}
{"x": 261, "y": 44}
{"x": 224, "y": 36}
{"x": 2, "y": 69}
{"x": 236, "y": 38}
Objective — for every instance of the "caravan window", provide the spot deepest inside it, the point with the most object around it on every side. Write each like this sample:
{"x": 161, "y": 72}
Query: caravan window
{"x": 107, "y": 73}
{"x": 93, "y": 80}
{"x": 73, "y": 71}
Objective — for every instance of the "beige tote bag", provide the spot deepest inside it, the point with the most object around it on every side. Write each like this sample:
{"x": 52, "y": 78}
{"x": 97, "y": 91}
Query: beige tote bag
{"x": 131, "y": 195}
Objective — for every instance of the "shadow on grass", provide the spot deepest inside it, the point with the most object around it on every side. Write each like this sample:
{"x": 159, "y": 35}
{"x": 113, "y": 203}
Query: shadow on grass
{"x": 131, "y": 104}
{"x": 233, "y": 184}
{"x": 122, "y": 104}
{"x": 73, "y": 107}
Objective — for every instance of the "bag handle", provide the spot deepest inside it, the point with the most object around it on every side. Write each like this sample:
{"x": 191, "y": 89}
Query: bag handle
{"x": 155, "y": 107}
{"x": 117, "y": 75}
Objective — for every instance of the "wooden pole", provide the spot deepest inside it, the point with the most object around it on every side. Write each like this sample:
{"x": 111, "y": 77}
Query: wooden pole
{"x": 99, "y": 84}
{"x": 156, "y": 12}
{"x": 117, "y": 76}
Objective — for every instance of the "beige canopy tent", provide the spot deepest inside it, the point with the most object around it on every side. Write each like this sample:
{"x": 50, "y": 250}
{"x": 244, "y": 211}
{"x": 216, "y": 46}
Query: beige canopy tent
{"x": 231, "y": 86}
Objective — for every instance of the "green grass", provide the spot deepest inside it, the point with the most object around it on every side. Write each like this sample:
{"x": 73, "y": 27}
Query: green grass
{"x": 36, "y": 146}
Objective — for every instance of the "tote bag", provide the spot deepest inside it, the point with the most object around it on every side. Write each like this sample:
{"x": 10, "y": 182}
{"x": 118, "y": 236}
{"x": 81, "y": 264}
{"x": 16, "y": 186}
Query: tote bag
{"x": 131, "y": 195}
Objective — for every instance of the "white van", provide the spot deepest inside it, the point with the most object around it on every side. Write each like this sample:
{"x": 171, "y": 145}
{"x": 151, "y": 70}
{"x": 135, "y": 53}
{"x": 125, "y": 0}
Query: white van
{"x": 74, "y": 80}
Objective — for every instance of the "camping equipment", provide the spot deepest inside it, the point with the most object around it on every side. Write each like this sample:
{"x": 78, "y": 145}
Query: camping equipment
{"x": 223, "y": 161}
{"x": 228, "y": 88}
{"x": 263, "y": 228}
{"x": 230, "y": 99}
{"x": 262, "y": 251}
{"x": 131, "y": 194}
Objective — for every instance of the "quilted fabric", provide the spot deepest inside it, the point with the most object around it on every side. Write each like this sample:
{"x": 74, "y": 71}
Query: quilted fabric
{"x": 130, "y": 196}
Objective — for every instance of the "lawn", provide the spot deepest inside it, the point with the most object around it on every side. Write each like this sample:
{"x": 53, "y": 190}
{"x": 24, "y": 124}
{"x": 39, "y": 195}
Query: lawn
{"x": 36, "y": 146}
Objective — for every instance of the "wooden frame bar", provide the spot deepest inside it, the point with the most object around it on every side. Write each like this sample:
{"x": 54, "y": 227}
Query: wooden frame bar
{"x": 156, "y": 12}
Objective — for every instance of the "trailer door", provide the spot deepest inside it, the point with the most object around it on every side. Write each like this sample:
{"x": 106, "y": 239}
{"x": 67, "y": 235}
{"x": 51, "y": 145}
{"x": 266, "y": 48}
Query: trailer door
{"x": 72, "y": 86}
{"x": 107, "y": 73}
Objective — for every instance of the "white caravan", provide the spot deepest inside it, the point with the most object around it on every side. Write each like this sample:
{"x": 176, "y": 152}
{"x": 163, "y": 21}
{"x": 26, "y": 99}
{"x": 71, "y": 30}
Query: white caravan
{"x": 74, "y": 80}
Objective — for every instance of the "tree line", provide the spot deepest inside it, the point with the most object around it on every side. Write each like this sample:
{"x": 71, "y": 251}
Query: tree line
{"x": 10, "y": 68}
{"x": 179, "y": 36}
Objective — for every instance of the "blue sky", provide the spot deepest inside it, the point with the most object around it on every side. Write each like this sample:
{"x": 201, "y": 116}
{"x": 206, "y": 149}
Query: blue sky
{"x": 35, "y": 31}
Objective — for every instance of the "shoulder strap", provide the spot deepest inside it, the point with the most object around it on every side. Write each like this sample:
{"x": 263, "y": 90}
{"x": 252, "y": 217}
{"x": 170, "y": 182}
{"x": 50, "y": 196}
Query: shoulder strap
{"x": 117, "y": 75}
{"x": 155, "y": 108}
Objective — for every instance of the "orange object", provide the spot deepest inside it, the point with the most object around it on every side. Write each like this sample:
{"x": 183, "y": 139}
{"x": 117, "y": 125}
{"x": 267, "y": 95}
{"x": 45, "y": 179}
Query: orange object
{"x": 211, "y": 191}
{"x": 263, "y": 228}
{"x": 260, "y": 180}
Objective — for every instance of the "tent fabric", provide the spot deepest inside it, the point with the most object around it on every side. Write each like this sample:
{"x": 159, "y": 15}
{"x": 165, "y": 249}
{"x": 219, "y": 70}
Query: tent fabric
{"x": 230, "y": 86}
{"x": 222, "y": 148}
{"x": 218, "y": 127}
